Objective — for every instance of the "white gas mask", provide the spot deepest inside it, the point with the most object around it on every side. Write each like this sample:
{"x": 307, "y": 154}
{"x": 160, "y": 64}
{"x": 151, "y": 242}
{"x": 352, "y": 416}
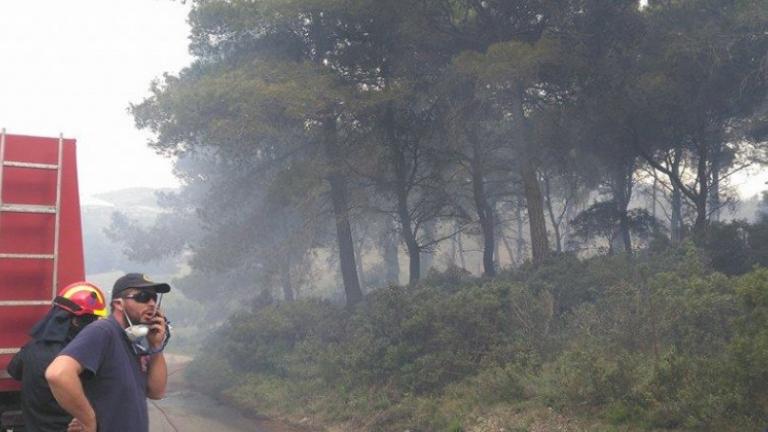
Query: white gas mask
{"x": 135, "y": 331}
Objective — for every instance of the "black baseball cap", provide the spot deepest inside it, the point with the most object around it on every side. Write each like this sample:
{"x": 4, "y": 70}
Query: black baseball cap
{"x": 138, "y": 281}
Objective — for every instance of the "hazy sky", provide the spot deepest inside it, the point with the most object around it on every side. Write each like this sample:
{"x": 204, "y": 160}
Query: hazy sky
{"x": 73, "y": 66}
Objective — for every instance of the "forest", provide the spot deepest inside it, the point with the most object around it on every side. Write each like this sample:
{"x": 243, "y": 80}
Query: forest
{"x": 471, "y": 215}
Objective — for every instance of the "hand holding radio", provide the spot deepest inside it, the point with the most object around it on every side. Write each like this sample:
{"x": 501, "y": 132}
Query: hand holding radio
{"x": 158, "y": 328}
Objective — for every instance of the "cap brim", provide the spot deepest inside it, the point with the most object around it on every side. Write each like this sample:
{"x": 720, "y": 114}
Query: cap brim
{"x": 161, "y": 288}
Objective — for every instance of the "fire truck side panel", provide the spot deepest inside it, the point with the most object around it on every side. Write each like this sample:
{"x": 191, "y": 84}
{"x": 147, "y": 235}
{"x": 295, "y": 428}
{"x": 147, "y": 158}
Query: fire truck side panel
{"x": 33, "y": 233}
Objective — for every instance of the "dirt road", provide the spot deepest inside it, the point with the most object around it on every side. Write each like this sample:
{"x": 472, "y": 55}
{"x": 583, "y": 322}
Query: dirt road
{"x": 184, "y": 410}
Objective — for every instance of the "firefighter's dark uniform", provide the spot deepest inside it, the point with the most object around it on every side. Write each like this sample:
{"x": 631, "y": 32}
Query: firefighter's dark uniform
{"x": 41, "y": 411}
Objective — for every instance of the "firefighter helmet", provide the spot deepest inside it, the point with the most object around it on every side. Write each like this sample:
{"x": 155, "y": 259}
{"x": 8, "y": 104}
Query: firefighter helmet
{"x": 82, "y": 298}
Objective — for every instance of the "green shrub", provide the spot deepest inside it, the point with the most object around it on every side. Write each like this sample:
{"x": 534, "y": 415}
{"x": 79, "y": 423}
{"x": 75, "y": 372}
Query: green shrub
{"x": 419, "y": 340}
{"x": 281, "y": 339}
{"x": 748, "y": 350}
{"x": 656, "y": 342}
{"x": 735, "y": 247}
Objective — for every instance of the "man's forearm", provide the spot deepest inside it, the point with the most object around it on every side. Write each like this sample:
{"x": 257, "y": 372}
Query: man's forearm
{"x": 63, "y": 376}
{"x": 68, "y": 391}
{"x": 157, "y": 378}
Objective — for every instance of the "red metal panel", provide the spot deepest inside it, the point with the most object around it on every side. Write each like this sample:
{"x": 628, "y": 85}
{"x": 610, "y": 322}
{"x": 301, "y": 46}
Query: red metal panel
{"x": 16, "y": 322}
{"x": 29, "y": 186}
{"x": 31, "y": 148}
{"x": 26, "y": 232}
{"x": 71, "y": 262}
{"x": 29, "y": 279}
{"x": 34, "y": 234}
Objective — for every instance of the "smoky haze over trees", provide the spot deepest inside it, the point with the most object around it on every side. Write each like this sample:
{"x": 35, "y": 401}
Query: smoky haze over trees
{"x": 336, "y": 134}
{"x": 575, "y": 155}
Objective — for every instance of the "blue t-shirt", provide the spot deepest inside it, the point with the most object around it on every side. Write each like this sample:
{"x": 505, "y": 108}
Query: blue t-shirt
{"x": 113, "y": 379}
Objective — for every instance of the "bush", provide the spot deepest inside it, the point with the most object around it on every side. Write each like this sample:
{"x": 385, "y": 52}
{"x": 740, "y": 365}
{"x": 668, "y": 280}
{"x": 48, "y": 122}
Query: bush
{"x": 282, "y": 339}
{"x": 656, "y": 341}
{"x": 748, "y": 350}
{"x": 422, "y": 339}
{"x": 735, "y": 247}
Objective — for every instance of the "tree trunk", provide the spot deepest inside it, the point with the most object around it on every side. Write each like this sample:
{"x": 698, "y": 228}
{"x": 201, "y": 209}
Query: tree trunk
{"x": 677, "y": 215}
{"x": 677, "y": 201}
{"x": 427, "y": 255}
{"x": 359, "y": 262}
{"x": 568, "y": 217}
{"x": 338, "y": 184}
{"x": 532, "y": 190}
{"x": 462, "y": 258}
{"x": 714, "y": 191}
{"x": 700, "y": 225}
{"x": 654, "y": 199}
{"x": 497, "y": 239}
{"x": 401, "y": 191}
{"x": 414, "y": 254}
{"x": 390, "y": 253}
{"x": 702, "y": 178}
{"x": 622, "y": 194}
{"x": 626, "y": 238}
{"x": 552, "y": 219}
{"x": 536, "y": 222}
{"x": 484, "y": 212}
{"x": 521, "y": 246}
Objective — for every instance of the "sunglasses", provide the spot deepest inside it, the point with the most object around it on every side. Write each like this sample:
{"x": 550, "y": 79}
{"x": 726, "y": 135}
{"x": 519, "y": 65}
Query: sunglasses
{"x": 142, "y": 296}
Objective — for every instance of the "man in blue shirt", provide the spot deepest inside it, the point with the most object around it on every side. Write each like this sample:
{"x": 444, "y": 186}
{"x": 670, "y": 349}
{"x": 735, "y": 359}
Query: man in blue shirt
{"x": 119, "y": 359}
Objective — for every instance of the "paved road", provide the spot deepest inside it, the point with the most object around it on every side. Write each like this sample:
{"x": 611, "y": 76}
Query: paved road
{"x": 184, "y": 410}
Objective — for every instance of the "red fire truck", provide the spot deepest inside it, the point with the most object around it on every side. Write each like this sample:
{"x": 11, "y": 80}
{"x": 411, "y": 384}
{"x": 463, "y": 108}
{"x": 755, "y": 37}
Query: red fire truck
{"x": 41, "y": 246}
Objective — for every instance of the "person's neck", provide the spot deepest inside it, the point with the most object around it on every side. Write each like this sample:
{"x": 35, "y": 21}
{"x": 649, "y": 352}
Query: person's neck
{"x": 120, "y": 318}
